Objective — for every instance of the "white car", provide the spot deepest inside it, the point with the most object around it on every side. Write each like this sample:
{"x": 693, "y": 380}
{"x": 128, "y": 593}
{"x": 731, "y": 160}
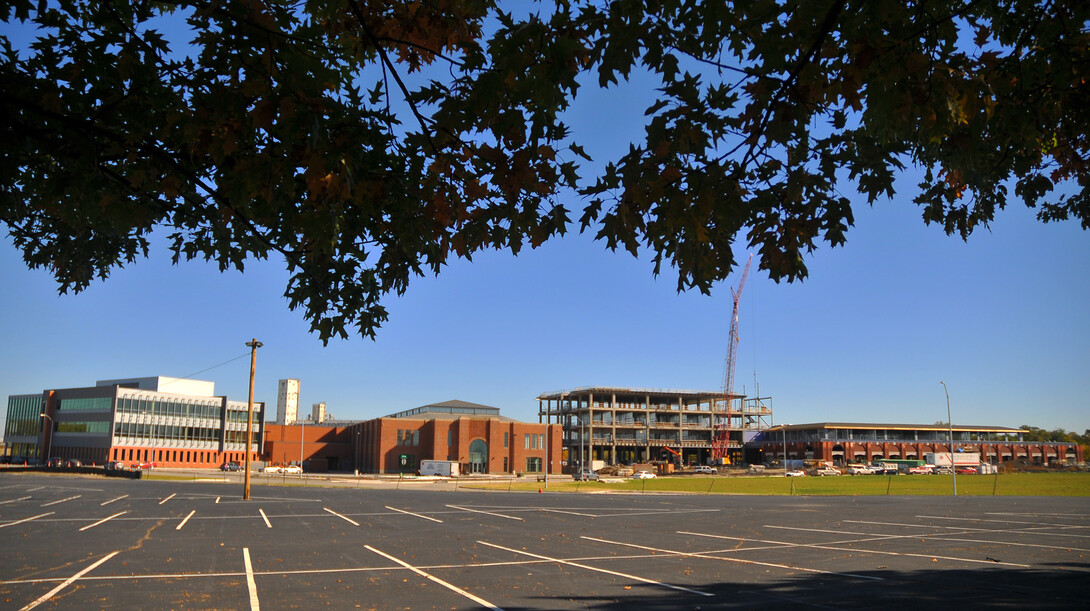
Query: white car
{"x": 795, "y": 473}
{"x": 643, "y": 475}
{"x": 270, "y": 469}
{"x": 293, "y": 469}
{"x": 705, "y": 469}
{"x": 826, "y": 471}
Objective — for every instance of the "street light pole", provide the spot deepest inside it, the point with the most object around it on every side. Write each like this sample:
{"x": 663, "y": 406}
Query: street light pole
{"x": 49, "y": 446}
{"x": 302, "y": 437}
{"x": 253, "y": 345}
{"x": 950, "y": 423}
{"x": 784, "y": 429}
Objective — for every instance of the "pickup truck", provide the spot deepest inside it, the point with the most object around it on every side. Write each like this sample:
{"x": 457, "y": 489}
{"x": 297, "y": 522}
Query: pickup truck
{"x": 920, "y": 470}
{"x": 821, "y": 471}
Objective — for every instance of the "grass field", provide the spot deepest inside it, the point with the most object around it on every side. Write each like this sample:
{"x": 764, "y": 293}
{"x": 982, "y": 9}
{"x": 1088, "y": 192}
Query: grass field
{"x": 1013, "y": 484}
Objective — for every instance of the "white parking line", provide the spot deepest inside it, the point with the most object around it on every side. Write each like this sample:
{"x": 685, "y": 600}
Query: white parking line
{"x": 62, "y": 500}
{"x": 346, "y": 519}
{"x": 168, "y": 498}
{"x": 186, "y": 519}
{"x": 1035, "y": 524}
{"x": 597, "y": 569}
{"x": 68, "y": 581}
{"x": 38, "y": 488}
{"x": 857, "y": 550}
{"x": 265, "y": 517}
{"x": 251, "y": 585}
{"x": 498, "y": 515}
{"x": 572, "y": 513}
{"x": 14, "y": 500}
{"x": 1036, "y": 531}
{"x": 940, "y": 536}
{"x": 710, "y": 556}
{"x": 114, "y": 500}
{"x": 103, "y": 520}
{"x": 26, "y": 520}
{"x": 1051, "y": 515}
{"x": 452, "y": 588}
{"x": 417, "y": 515}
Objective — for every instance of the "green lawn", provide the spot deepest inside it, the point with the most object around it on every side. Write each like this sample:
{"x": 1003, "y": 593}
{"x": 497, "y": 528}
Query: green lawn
{"x": 1014, "y": 484}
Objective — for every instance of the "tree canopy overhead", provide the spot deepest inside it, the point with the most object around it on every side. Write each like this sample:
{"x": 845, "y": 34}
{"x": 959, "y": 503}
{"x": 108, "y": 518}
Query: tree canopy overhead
{"x": 368, "y": 142}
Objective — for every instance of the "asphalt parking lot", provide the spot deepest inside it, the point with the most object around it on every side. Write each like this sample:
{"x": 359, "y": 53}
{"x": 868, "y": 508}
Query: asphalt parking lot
{"x": 94, "y": 543}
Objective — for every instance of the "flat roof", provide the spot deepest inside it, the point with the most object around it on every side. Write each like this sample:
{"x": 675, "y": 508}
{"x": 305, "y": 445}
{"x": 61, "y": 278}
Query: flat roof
{"x": 895, "y": 427}
{"x": 619, "y": 390}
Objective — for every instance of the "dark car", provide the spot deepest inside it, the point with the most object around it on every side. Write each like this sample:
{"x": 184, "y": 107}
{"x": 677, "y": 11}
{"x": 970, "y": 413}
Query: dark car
{"x": 230, "y": 466}
{"x": 58, "y": 463}
{"x": 72, "y": 463}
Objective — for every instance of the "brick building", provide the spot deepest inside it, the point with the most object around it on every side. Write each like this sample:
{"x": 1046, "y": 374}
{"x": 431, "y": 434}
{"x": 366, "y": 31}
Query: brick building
{"x": 841, "y": 443}
{"x": 476, "y": 436}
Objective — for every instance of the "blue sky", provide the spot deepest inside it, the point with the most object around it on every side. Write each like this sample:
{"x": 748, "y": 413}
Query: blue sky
{"x": 867, "y": 337}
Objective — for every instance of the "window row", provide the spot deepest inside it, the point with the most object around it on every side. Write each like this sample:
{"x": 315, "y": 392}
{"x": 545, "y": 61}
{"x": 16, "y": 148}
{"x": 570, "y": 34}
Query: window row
{"x": 165, "y": 431}
{"x": 408, "y": 437}
{"x": 100, "y": 427}
{"x": 180, "y": 407}
{"x": 94, "y": 404}
{"x": 534, "y": 441}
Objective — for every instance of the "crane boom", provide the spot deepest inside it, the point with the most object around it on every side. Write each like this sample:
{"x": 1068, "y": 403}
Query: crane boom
{"x": 721, "y": 441}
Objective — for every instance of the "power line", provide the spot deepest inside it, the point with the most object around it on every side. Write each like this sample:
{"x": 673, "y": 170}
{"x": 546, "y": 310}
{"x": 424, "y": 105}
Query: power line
{"x": 243, "y": 355}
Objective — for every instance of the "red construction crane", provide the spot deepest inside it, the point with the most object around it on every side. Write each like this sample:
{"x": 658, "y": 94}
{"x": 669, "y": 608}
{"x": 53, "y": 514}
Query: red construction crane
{"x": 721, "y": 431}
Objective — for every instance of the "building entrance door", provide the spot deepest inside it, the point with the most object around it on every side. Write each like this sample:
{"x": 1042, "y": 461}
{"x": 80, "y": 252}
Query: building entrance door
{"x": 478, "y": 456}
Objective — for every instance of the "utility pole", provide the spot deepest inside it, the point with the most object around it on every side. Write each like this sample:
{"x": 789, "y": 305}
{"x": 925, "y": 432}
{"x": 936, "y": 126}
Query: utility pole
{"x": 253, "y": 345}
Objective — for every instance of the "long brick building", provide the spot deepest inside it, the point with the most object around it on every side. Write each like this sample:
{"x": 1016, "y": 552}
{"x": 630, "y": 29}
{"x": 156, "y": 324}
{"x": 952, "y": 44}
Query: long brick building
{"x": 843, "y": 442}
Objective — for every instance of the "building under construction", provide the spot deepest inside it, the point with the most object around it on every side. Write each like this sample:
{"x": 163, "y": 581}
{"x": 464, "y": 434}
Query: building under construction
{"x": 636, "y": 425}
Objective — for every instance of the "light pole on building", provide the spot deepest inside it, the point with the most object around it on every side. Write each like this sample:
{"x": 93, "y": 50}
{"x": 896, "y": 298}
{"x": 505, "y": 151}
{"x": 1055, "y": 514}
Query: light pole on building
{"x": 950, "y": 423}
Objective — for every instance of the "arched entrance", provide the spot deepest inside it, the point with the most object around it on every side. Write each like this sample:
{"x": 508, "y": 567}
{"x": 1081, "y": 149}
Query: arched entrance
{"x": 478, "y": 456}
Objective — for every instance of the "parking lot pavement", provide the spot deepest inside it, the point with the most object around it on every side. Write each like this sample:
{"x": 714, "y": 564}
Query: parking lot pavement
{"x": 96, "y": 543}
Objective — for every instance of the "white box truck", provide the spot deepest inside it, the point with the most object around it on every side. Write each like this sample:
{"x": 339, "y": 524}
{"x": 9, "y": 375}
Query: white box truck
{"x": 447, "y": 468}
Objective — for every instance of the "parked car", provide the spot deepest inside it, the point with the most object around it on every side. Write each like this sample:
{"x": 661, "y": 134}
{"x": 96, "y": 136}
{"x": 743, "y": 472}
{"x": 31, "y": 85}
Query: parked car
{"x": 141, "y": 465}
{"x": 72, "y": 463}
{"x": 57, "y": 462}
{"x": 795, "y": 473}
{"x": 230, "y": 466}
{"x": 943, "y": 470}
{"x": 966, "y": 470}
{"x": 822, "y": 471}
{"x": 292, "y": 470}
{"x": 706, "y": 469}
{"x": 585, "y": 476}
{"x": 643, "y": 475}
{"x": 921, "y": 470}
{"x": 860, "y": 470}
{"x": 115, "y": 464}
{"x": 270, "y": 469}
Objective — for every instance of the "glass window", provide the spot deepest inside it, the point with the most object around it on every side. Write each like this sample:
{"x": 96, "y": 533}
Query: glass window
{"x": 526, "y": 441}
{"x": 505, "y": 445}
